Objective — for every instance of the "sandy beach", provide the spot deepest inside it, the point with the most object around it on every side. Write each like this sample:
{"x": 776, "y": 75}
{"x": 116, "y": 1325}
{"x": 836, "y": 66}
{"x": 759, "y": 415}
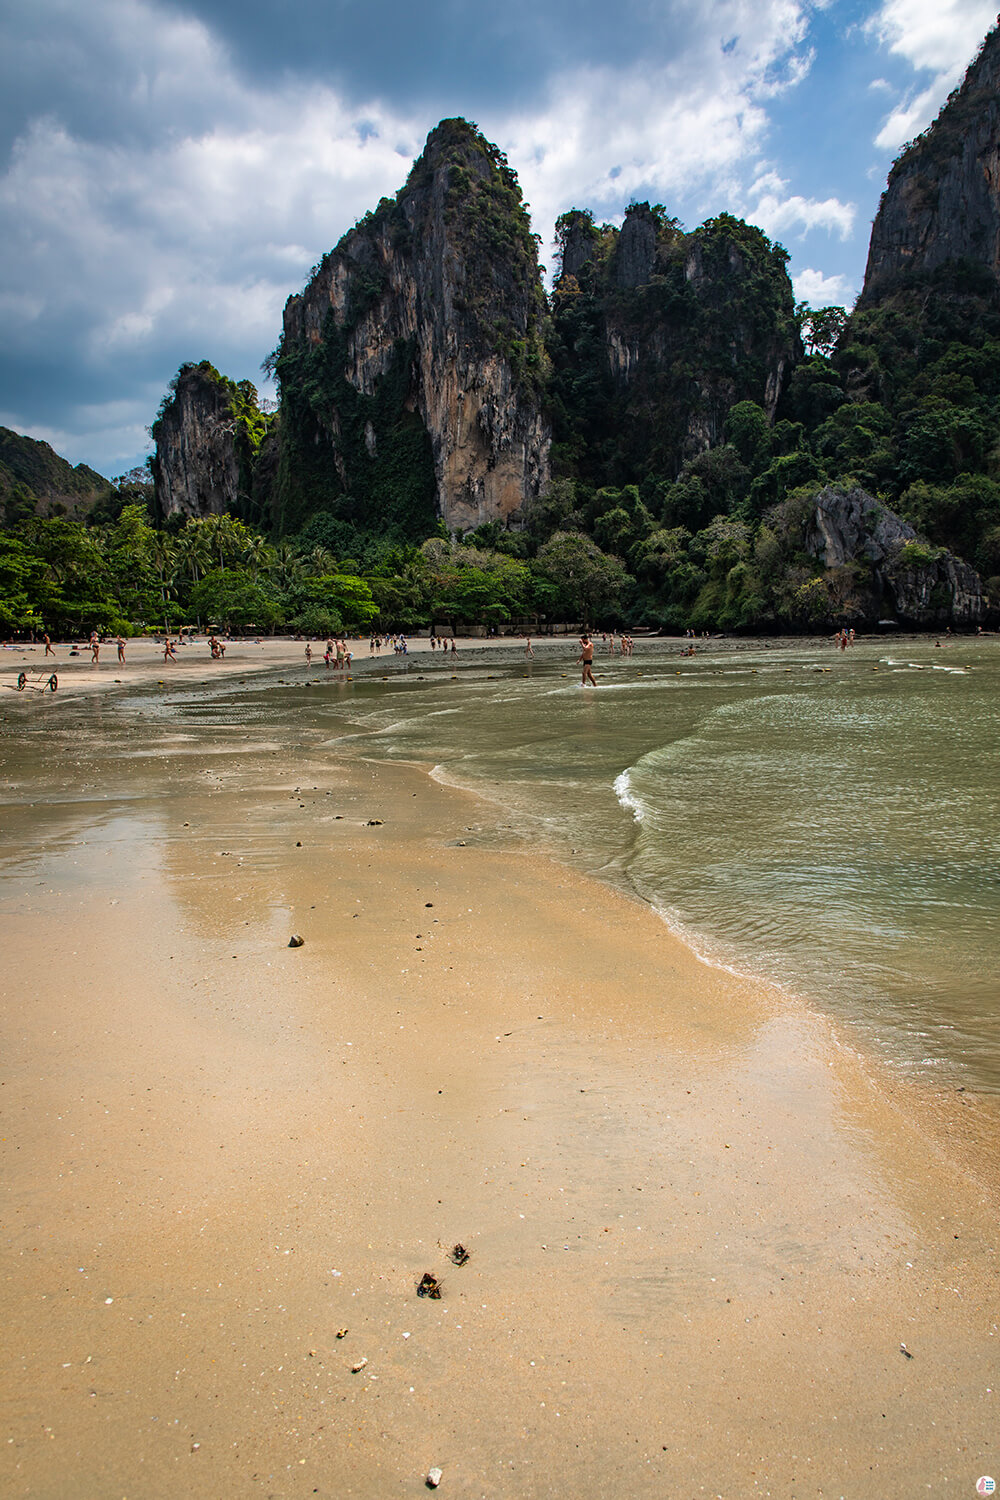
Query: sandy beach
{"x": 245, "y": 656}
{"x": 713, "y": 1248}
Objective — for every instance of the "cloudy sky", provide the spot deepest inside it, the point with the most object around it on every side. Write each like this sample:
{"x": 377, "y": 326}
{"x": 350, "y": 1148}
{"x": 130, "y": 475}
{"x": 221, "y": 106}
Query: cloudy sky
{"x": 172, "y": 170}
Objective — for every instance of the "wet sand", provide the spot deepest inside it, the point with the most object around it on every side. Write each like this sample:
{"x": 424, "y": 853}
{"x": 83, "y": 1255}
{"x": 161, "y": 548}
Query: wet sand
{"x": 700, "y": 1226}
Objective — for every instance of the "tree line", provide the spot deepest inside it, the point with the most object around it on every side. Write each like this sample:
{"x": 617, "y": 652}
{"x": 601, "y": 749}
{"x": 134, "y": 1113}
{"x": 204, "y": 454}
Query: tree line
{"x": 126, "y": 576}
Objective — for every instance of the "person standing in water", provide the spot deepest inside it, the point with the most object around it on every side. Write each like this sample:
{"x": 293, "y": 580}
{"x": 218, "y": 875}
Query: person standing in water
{"x": 587, "y": 657}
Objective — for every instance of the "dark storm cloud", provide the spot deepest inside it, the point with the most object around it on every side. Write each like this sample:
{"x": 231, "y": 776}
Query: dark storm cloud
{"x": 416, "y": 54}
{"x": 102, "y": 71}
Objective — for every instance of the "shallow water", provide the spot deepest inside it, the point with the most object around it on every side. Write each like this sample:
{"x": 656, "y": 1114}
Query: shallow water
{"x": 826, "y": 820}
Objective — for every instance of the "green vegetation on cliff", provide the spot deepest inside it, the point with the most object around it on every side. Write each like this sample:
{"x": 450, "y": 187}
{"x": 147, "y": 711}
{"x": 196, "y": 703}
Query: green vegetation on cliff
{"x": 34, "y": 480}
{"x": 384, "y": 471}
{"x": 655, "y": 335}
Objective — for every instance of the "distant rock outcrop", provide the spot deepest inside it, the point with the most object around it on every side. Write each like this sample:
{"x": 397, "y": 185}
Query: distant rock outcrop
{"x": 846, "y": 528}
{"x": 34, "y": 480}
{"x": 411, "y": 366}
{"x": 942, "y": 201}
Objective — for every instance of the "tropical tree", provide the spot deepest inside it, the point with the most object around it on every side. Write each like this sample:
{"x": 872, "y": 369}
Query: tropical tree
{"x": 20, "y": 572}
{"x": 228, "y": 597}
{"x": 163, "y": 554}
{"x": 576, "y": 580}
{"x": 256, "y": 552}
{"x": 284, "y": 565}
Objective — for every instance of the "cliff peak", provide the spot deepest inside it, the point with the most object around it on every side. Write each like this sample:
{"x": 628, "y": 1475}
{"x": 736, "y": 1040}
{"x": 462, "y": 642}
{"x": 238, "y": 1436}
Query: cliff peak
{"x": 411, "y": 366}
{"x": 942, "y": 200}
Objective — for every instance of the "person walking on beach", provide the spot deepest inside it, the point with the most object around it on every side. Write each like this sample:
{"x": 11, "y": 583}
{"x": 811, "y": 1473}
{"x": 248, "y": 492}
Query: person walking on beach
{"x": 309, "y": 653}
{"x": 527, "y": 646}
{"x": 95, "y": 647}
{"x": 168, "y": 650}
{"x": 587, "y": 657}
{"x": 121, "y": 650}
{"x": 48, "y": 646}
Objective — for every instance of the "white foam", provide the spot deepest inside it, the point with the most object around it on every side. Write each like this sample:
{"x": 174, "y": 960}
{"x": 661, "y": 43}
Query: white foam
{"x": 627, "y": 798}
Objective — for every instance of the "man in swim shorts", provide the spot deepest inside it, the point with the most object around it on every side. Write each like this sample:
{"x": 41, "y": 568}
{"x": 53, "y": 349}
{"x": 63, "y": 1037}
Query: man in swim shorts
{"x": 587, "y": 657}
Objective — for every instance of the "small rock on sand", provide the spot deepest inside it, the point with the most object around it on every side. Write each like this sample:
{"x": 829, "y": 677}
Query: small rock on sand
{"x": 433, "y": 1479}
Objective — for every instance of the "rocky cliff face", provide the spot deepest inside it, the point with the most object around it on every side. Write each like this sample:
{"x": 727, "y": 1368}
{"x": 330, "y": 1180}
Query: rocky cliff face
{"x": 657, "y": 334}
{"x": 411, "y": 366}
{"x": 207, "y": 435}
{"x": 917, "y": 584}
{"x": 196, "y": 470}
{"x": 942, "y": 202}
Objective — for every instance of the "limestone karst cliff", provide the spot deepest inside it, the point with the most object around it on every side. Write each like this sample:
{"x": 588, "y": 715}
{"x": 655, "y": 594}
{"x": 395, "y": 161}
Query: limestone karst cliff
{"x": 411, "y": 366}
{"x": 207, "y": 435}
{"x": 657, "y": 334}
{"x": 942, "y": 200}
{"x": 911, "y": 404}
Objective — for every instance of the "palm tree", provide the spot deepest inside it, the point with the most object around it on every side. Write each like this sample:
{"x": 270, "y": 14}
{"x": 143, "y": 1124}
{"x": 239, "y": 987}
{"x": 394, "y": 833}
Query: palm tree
{"x": 224, "y": 537}
{"x": 163, "y": 555}
{"x": 285, "y": 565}
{"x": 322, "y": 561}
{"x": 255, "y": 552}
{"x": 194, "y": 549}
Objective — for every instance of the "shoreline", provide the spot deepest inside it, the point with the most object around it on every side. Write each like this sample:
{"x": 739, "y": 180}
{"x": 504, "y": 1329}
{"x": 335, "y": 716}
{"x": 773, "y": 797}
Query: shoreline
{"x": 144, "y": 665}
{"x": 700, "y": 1228}
{"x": 960, "y": 1122}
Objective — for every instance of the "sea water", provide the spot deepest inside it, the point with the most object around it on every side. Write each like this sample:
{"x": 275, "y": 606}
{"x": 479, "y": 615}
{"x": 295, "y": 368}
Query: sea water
{"x": 825, "y": 819}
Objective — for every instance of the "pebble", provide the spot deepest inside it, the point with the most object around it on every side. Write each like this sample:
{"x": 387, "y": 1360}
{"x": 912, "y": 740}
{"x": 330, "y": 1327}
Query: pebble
{"x": 295, "y": 941}
{"x": 356, "y": 1369}
{"x": 434, "y": 1477}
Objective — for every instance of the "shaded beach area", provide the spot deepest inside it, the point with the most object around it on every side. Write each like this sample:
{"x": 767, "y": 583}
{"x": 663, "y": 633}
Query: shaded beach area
{"x": 714, "y": 1249}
